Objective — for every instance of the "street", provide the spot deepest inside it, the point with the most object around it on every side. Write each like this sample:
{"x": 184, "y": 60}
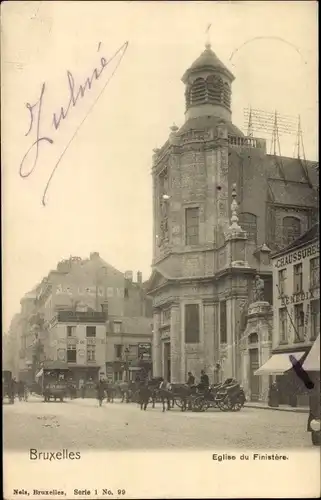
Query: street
{"x": 82, "y": 424}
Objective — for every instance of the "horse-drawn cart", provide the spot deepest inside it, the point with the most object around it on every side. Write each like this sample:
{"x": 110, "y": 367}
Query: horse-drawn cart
{"x": 8, "y": 386}
{"x": 228, "y": 396}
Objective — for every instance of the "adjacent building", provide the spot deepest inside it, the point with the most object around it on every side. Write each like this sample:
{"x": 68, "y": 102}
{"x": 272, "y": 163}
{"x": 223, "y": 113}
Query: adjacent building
{"x": 296, "y": 313}
{"x": 202, "y": 278}
{"x": 76, "y": 316}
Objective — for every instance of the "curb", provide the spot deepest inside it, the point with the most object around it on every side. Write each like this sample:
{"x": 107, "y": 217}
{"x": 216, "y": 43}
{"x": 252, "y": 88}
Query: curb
{"x": 291, "y": 410}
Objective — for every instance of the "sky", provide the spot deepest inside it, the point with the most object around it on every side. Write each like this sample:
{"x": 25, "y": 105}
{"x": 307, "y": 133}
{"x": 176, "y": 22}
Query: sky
{"x": 100, "y": 197}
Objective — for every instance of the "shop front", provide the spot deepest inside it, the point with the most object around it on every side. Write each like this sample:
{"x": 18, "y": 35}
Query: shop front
{"x": 291, "y": 389}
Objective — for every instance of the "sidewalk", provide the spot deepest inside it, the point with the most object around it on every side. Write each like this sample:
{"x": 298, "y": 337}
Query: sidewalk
{"x": 264, "y": 406}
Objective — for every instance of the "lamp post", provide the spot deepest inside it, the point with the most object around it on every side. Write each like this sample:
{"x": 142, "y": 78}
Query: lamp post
{"x": 126, "y": 362}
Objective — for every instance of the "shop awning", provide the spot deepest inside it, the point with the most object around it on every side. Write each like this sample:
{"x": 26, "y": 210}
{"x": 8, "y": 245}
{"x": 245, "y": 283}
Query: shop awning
{"x": 39, "y": 373}
{"x": 278, "y": 363}
{"x": 312, "y": 361}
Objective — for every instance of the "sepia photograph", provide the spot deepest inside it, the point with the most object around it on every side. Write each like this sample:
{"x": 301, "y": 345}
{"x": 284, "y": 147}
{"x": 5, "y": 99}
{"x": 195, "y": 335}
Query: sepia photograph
{"x": 161, "y": 275}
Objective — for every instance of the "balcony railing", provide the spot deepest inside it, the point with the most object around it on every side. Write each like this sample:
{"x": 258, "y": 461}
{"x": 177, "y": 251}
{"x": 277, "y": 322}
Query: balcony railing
{"x": 248, "y": 142}
{"x": 81, "y": 317}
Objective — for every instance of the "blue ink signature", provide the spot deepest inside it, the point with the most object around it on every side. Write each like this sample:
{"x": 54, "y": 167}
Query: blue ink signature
{"x": 75, "y": 92}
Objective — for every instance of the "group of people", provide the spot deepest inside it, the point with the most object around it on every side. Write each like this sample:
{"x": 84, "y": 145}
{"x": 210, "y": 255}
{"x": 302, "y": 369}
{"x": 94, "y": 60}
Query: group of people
{"x": 204, "y": 381}
{"x": 19, "y": 388}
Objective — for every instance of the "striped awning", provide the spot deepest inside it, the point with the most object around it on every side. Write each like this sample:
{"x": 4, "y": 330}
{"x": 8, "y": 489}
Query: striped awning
{"x": 279, "y": 363}
{"x": 40, "y": 373}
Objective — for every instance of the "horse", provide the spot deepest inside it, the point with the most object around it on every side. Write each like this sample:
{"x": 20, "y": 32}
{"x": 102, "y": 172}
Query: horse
{"x": 166, "y": 394}
{"x": 110, "y": 390}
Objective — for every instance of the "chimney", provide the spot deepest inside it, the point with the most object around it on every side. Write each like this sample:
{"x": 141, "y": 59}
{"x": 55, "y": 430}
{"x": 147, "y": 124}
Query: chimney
{"x": 94, "y": 255}
{"x": 139, "y": 277}
{"x": 129, "y": 276}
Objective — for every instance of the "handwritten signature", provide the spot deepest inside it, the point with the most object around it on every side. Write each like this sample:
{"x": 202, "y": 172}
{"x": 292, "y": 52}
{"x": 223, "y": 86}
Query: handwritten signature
{"x": 36, "y": 114}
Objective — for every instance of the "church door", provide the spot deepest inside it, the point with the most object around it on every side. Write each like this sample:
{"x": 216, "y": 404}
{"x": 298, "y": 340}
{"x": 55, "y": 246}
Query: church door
{"x": 167, "y": 361}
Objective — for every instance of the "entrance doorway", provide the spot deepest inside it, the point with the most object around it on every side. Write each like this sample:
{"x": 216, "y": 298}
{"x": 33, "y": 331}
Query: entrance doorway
{"x": 167, "y": 361}
{"x": 254, "y": 379}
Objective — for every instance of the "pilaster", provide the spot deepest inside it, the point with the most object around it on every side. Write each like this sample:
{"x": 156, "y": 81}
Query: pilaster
{"x": 176, "y": 353}
{"x": 157, "y": 347}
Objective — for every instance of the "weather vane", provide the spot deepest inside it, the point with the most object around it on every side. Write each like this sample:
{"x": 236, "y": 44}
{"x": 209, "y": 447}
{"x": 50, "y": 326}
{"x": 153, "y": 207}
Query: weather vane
{"x": 208, "y": 41}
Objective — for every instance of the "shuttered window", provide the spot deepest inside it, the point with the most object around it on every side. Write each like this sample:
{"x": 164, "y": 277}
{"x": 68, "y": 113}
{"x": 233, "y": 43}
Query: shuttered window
{"x": 192, "y": 324}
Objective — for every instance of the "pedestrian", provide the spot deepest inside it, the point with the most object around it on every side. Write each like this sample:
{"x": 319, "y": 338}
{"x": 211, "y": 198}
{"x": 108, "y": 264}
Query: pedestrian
{"x": 273, "y": 398}
{"x": 190, "y": 379}
{"x": 83, "y": 390}
{"x": 204, "y": 383}
{"x": 100, "y": 391}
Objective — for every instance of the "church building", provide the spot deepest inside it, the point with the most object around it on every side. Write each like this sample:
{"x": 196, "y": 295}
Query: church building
{"x": 221, "y": 204}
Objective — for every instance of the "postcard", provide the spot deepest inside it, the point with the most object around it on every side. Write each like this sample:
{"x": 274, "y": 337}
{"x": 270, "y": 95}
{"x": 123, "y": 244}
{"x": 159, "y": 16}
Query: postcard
{"x": 161, "y": 275}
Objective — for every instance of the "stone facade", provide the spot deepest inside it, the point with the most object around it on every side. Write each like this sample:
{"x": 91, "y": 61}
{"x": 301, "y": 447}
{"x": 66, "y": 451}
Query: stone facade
{"x": 197, "y": 258}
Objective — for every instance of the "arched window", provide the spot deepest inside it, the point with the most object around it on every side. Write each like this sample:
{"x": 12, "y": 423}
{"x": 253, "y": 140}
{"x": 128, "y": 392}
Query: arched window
{"x": 227, "y": 95}
{"x": 215, "y": 89}
{"x": 248, "y": 223}
{"x": 198, "y": 91}
{"x": 291, "y": 229}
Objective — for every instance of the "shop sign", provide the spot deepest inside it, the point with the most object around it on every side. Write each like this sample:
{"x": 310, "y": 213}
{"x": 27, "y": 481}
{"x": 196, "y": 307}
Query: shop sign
{"x": 300, "y": 297}
{"x": 295, "y": 257}
{"x": 91, "y": 341}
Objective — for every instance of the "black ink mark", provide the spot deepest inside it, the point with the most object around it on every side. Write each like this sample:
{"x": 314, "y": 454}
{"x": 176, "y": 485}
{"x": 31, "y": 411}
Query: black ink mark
{"x": 35, "y": 145}
{"x": 268, "y": 38}
{"x": 301, "y": 373}
{"x": 35, "y": 110}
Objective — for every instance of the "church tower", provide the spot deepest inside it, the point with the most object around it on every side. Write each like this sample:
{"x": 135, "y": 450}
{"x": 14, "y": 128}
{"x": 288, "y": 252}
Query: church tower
{"x": 219, "y": 202}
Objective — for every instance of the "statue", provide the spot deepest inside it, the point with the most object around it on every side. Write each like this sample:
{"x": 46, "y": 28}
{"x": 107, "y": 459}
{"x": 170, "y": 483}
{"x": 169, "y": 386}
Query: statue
{"x": 258, "y": 289}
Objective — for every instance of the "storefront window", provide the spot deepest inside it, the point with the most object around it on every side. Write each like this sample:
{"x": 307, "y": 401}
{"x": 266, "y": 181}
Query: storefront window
{"x": 282, "y": 281}
{"x": 91, "y": 353}
{"x": 314, "y": 272}
{"x": 299, "y": 323}
{"x": 71, "y": 354}
{"x": 315, "y": 319}
{"x": 283, "y": 320}
{"x": 297, "y": 278}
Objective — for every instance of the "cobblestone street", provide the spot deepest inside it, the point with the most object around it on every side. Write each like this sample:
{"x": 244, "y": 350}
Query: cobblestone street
{"x": 82, "y": 424}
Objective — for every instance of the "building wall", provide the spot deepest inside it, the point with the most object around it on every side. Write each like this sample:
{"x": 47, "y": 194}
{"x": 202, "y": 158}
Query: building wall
{"x": 287, "y": 261}
{"x": 59, "y": 342}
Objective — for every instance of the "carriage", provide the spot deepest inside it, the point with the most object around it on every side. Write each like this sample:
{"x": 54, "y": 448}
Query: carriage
{"x": 53, "y": 380}
{"x": 8, "y": 389}
{"x": 228, "y": 396}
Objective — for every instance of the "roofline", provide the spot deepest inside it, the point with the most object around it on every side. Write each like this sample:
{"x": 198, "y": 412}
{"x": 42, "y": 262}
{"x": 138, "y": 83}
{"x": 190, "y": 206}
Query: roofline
{"x": 293, "y": 248}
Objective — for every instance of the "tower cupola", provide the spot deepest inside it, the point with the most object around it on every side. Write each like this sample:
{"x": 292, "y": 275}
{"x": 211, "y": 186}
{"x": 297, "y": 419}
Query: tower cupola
{"x": 208, "y": 87}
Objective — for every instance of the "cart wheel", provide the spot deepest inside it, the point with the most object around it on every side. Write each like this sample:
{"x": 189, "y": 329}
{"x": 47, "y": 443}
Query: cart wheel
{"x": 237, "y": 406}
{"x": 199, "y": 404}
{"x": 224, "y": 404}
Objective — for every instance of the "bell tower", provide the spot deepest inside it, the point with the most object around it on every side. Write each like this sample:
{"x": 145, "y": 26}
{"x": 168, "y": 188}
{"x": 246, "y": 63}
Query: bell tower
{"x": 208, "y": 87}
{"x": 191, "y": 215}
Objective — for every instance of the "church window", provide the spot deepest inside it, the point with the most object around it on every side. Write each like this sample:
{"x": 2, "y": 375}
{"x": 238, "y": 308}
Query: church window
{"x": 248, "y": 223}
{"x": 192, "y": 323}
{"x": 198, "y": 91}
{"x": 215, "y": 89}
{"x": 192, "y": 226}
{"x": 223, "y": 322}
{"x": 227, "y": 95}
{"x": 291, "y": 229}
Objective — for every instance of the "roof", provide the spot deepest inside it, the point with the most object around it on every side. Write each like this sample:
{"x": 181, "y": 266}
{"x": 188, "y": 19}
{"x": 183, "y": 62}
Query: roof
{"x": 207, "y": 59}
{"x": 311, "y": 235}
{"x": 204, "y": 122}
{"x": 292, "y": 193}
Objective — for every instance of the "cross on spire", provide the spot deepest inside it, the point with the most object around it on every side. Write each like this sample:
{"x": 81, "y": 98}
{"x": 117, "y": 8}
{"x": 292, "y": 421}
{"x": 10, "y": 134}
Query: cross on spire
{"x": 208, "y": 39}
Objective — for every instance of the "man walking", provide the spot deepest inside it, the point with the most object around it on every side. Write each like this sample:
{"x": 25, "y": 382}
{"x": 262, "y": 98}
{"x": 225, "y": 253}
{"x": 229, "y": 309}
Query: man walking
{"x": 100, "y": 391}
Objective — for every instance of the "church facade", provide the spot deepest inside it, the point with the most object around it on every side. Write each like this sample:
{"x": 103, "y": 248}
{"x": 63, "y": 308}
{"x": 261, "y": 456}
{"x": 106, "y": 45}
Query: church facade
{"x": 220, "y": 205}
